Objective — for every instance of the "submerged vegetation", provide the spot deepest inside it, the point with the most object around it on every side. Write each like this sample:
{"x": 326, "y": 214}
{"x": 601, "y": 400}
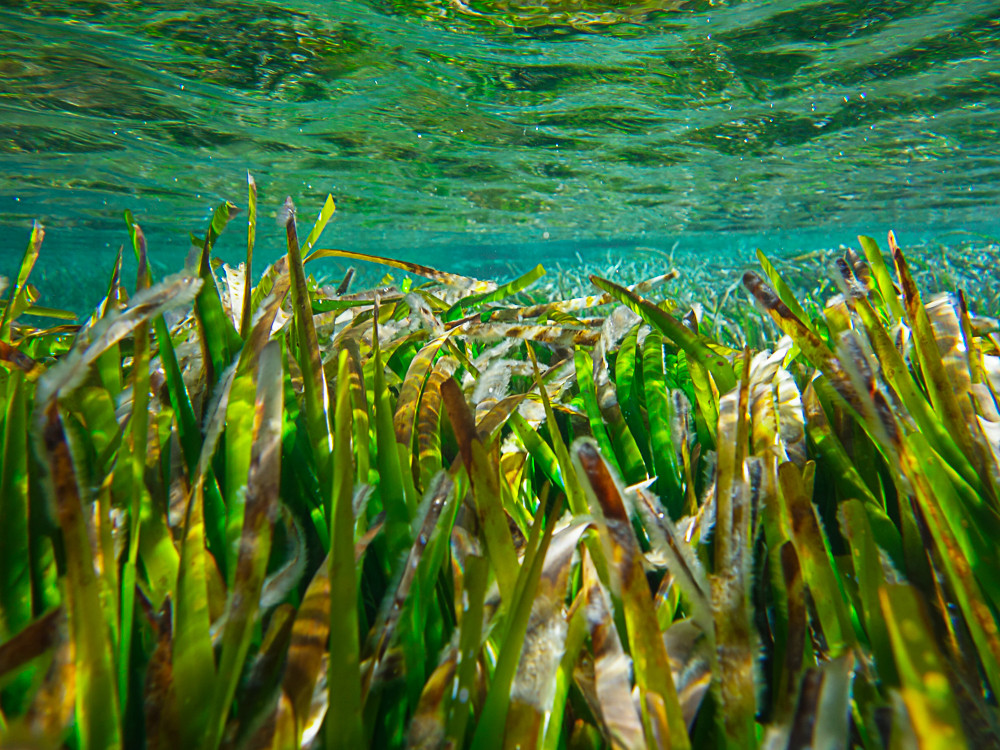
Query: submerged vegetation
{"x": 430, "y": 515}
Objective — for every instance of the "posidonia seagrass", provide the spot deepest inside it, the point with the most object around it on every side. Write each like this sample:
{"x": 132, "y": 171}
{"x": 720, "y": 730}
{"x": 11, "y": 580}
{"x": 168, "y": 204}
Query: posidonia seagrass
{"x": 445, "y": 514}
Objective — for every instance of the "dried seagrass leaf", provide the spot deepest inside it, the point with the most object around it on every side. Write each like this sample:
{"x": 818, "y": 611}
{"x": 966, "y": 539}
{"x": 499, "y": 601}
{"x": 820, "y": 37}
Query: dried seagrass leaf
{"x": 548, "y": 308}
{"x": 464, "y": 283}
{"x": 232, "y": 299}
{"x": 277, "y": 732}
{"x": 262, "y": 326}
{"x": 557, "y": 335}
{"x": 860, "y": 270}
{"x": 421, "y": 313}
{"x": 487, "y": 424}
{"x": 28, "y": 334}
{"x": 681, "y": 437}
{"x": 345, "y": 284}
{"x": 492, "y": 382}
{"x": 690, "y": 653}
{"x": 359, "y": 418}
{"x": 386, "y": 295}
{"x": 483, "y": 469}
{"x": 19, "y": 359}
{"x": 989, "y": 423}
{"x": 310, "y": 635}
{"x": 160, "y": 701}
{"x": 652, "y": 671}
{"x": 776, "y": 407}
{"x": 409, "y": 396}
{"x": 494, "y": 419}
{"x": 849, "y": 284}
{"x": 171, "y": 293}
{"x": 429, "y": 419}
{"x": 823, "y": 709}
{"x": 614, "y": 327}
{"x": 261, "y": 688}
{"x": 498, "y": 358}
{"x": 791, "y": 419}
{"x": 782, "y": 290}
{"x": 731, "y": 582}
{"x": 944, "y": 319}
{"x": 51, "y": 711}
{"x": 814, "y": 348}
{"x": 579, "y": 303}
{"x": 427, "y": 727}
{"x": 789, "y": 321}
{"x": 681, "y": 559}
{"x": 792, "y": 648}
{"x": 795, "y": 730}
{"x": 608, "y": 690}
{"x": 31, "y": 641}
{"x": 870, "y": 398}
{"x": 975, "y": 331}
{"x": 692, "y": 316}
{"x": 535, "y": 682}
{"x": 764, "y": 417}
{"x": 215, "y": 418}
{"x": 285, "y": 578}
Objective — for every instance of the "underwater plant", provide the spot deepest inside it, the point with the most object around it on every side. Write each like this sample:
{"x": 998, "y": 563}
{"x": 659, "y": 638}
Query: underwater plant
{"x": 432, "y": 515}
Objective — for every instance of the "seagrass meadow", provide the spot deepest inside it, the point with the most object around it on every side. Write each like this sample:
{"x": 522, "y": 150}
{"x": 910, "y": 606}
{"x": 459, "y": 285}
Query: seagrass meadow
{"x": 449, "y": 513}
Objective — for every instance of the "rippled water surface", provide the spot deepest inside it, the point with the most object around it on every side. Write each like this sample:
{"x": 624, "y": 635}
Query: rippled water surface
{"x": 475, "y": 132}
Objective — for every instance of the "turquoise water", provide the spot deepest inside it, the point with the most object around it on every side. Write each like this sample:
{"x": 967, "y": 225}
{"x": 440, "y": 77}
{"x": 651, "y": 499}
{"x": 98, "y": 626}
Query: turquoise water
{"x": 481, "y": 136}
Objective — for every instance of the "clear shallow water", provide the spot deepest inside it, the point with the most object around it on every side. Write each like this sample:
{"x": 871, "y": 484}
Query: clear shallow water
{"x": 479, "y": 135}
